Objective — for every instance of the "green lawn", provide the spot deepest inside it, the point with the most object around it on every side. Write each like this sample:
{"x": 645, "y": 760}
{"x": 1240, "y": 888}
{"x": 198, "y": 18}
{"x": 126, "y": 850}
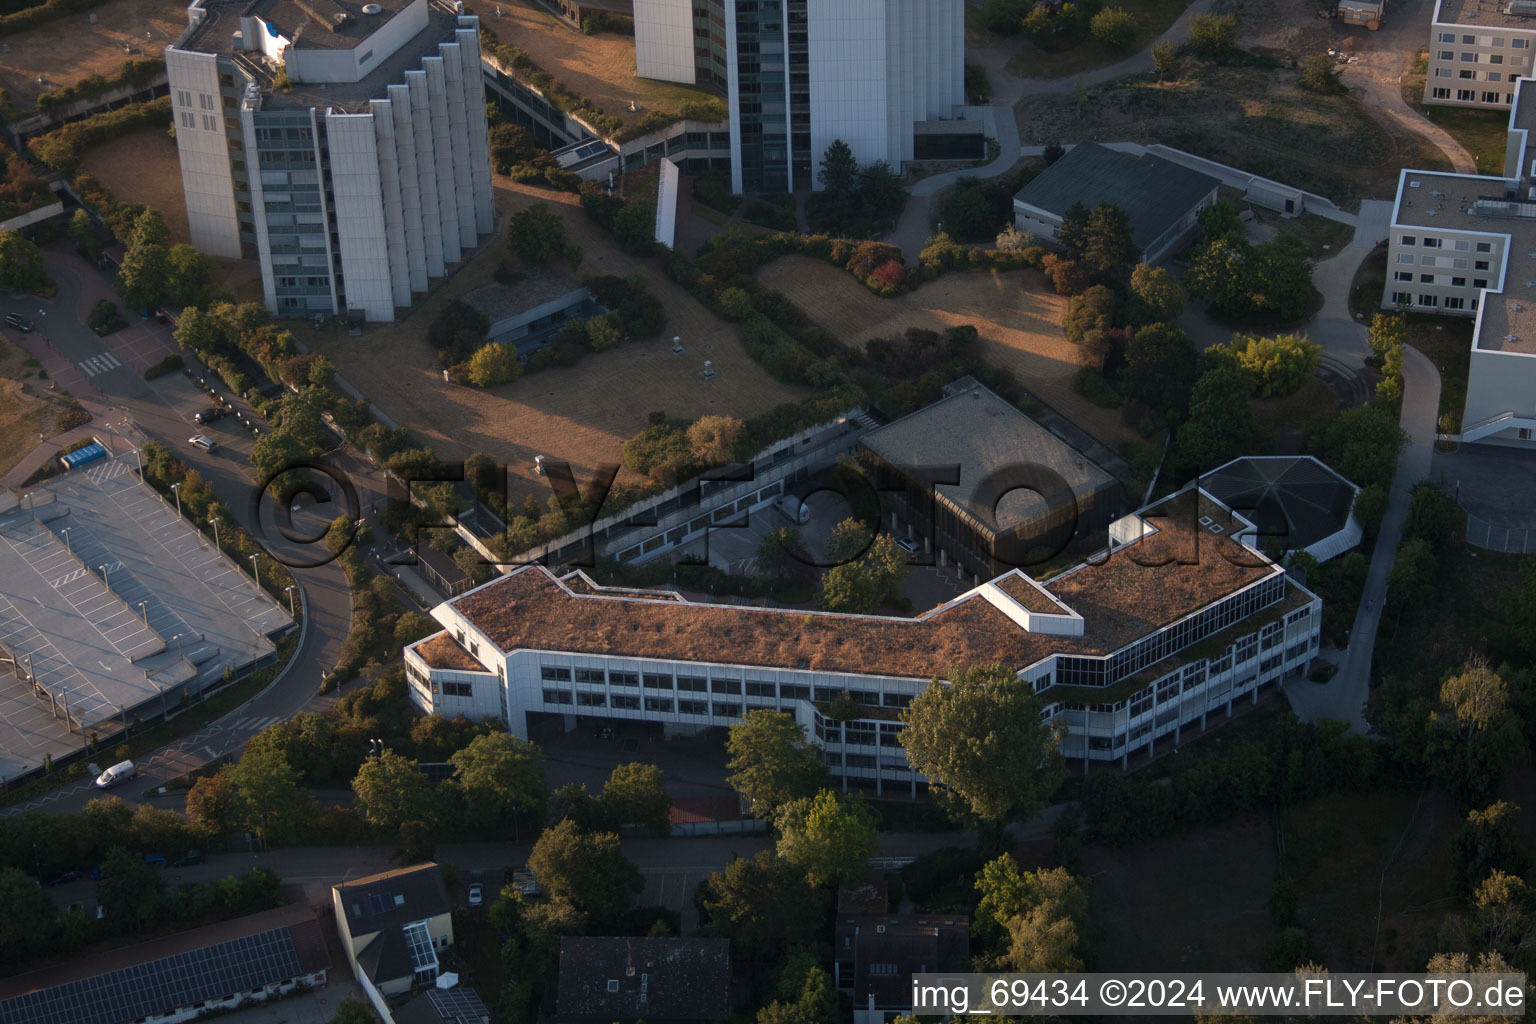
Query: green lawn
{"x": 1153, "y": 18}
{"x": 1308, "y": 410}
{"x": 1322, "y": 237}
{"x": 1483, "y": 132}
{"x": 1447, "y": 341}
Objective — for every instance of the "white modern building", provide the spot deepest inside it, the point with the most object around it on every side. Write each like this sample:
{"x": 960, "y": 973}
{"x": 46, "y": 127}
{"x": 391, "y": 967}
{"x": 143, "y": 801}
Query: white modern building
{"x": 1465, "y": 245}
{"x": 1181, "y": 617}
{"x": 1478, "y": 49}
{"x": 800, "y": 75}
{"x": 342, "y": 144}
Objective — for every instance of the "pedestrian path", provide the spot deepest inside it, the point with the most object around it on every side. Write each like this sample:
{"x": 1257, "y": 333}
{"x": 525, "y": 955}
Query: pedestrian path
{"x": 99, "y": 364}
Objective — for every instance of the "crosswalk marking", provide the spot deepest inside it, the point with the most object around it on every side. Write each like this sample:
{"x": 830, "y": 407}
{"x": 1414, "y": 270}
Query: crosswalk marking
{"x": 99, "y": 364}
{"x": 255, "y": 724}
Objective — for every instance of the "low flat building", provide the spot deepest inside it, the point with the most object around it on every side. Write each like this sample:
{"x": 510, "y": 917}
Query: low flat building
{"x": 1176, "y": 619}
{"x": 392, "y": 927}
{"x": 1462, "y": 245}
{"x": 660, "y": 981}
{"x": 1478, "y": 50}
{"x": 1012, "y": 490}
{"x": 529, "y": 314}
{"x": 1162, "y": 199}
{"x": 216, "y": 968}
{"x": 115, "y": 608}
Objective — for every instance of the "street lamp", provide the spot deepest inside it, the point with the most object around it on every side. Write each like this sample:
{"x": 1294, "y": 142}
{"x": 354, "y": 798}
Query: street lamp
{"x": 256, "y": 569}
{"x": 215, "y": 521}
{"x": 289, "y": 589}
{"x": 176, "y": 489}
{"x": 144, "y": 611}
{"x": 140, "y": 459}
{"x": 67, "y": 546}
{"x": 106, "y": 571}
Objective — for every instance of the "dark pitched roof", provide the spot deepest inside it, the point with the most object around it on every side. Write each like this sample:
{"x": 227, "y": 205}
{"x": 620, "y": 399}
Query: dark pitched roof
{"x": 163, "y": 974}
{"x": 887, "y": 949}
{"x": 1294, "y": 499}
{"x": 625, "y": 979}
{"x": 391, "y": 899}
{"x": 1153, "y": 192}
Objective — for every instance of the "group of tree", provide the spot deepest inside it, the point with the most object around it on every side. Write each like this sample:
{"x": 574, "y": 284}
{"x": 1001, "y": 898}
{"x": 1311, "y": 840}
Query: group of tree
{"x": 1096, "y": 247}
{"x": 1252, "y": 285}
{"x": 515, "y": 154}
{"x": 536, "y": 234}
{"x": 633, "y": 798}
{"x": 1030, "y": 921}
{"x": 865, "y": 571}
{"x": 1388, "y": 335}
{"x": 977, "y": 208}
{"x": 855, "y": 202}
{"x": 631, "y": 219}
{"x": 156, "y": 273}
{"x": 670, "y": 451}
{"x": 632, "y": 312}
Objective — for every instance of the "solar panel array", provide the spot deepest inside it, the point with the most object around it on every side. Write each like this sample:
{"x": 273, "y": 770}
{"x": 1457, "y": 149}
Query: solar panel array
{"x": 419, "y": 941}
{"x": 185, "y": 979}
{"x": 460, "y": 1004}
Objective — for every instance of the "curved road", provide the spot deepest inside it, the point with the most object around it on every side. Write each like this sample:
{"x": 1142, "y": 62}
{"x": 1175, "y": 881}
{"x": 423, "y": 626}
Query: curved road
{"x": 127, "y": 405}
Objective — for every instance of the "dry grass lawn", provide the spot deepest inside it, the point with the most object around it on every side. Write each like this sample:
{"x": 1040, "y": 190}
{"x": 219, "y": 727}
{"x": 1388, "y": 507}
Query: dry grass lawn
{"x": 600, "y": 67}
{"x": 582, "y": 414}
{"x": 1018, "y": 316}
{"x": 69, "y": 49}
{"x": 25, "y": 414}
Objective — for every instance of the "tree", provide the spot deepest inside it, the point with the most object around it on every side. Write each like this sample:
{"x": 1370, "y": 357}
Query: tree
{"x": 1072, "y": 232}
{"x": 494, "y": 363}
{"x": 587, "y": 870}
{"x": 1113, "y": 27}
{"x": 536, "y": 234}
{"x": 149, "y": 228}
{"x": 29, "y": 915}
{"x": 1161, "y": 367}
{"x": 1473, "y": 734}
{"x": 1278, "y": 366}
{"x": 635, "y": 794}
{"x": 391, "y": 791}
{"x": 1370, "y": 507}
{"x": 270, "y": 801}
{"x": 213, "y": 805}
{"x": 1043, "y": 937}
{"x": 1363, "y": 445}
{"x": 848, "y": 588}
{"x": 979, "y": 737}
{"x": 716, "y": 440}
{"x": 189, "y": 277}
{"x": 1089, "y": 315}
{"x": 1388, "y": 331}
{"x": 771, "y": 762}
{"x": 144, "y": 278}
{"x": 499, "y": 775}
{"x": 1003, "y": 893}
{"x": 1489, "y": 840}
{"x": 604, "y": 332}
{"x": 735, "y": 303}
{"x": 1318, "y": 74}
{"x": 1213, "y": 35}
{"x": 814, "y": 1002}
{"x": 781, "y": 553}
{"x": 839, "y": 169}
{"x": 21, "y": 265}
{"x": 129, "y": 891}
{"x": 1220, "y": 424}
{"x": 830, "y": 838}
{"x": 1165, "y": 57}
{"x": 848, "y": 541}
{"x": 1011, "y": 239}
{"x": 764, "y": 906}
{"x": 353, "y": 1010}
{"x": 1155, "y": 295}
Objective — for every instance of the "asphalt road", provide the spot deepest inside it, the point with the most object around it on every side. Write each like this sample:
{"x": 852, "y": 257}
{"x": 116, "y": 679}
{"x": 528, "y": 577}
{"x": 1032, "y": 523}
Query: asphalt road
{"x": 136, "y": 410}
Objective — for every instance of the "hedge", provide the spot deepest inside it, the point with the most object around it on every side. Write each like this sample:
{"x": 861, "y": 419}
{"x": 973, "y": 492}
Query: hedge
{"x": 52, "y": 10}
{"x": 137, "y": 73}
{"x": 62, "y": 147}
{"x": 170, "y": 364}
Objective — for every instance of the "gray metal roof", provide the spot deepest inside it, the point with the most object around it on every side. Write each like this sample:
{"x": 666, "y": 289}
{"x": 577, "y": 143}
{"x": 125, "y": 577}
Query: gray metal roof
{"x": 994, "y": 444}
{"x": 1154, "y": 193}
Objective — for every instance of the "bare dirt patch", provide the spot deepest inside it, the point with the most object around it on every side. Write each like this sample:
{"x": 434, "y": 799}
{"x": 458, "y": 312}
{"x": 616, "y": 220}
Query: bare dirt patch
{"x": 1291, "y": 27}
{"x": 142, "y": 167}
{"x": 26, "y": 411}
{"x": 67, "y": 50}
{"x": 582, "y": 414}
{"x": 1018, "y": 317}
{"x": 599, "y": 67}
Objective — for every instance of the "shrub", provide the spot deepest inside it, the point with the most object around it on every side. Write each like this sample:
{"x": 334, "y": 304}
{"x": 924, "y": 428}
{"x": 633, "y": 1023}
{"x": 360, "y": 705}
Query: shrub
{"x": 735, "y": 303}
{"x": 170, "y": 364}
{"x": 1114, "y": 27}
{"x": 1319, "y": 74}
{"x": 1067, "y": 276}
{"x": 494, "y": 363}
{"x": 1212, "y": 35}
{"x": 1090, "y": 383}
{"x": 61, "y": 148}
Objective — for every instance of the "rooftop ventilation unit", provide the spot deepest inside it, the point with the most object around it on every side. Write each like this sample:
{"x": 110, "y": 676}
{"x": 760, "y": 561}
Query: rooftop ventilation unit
{"x": 373, "y": 9}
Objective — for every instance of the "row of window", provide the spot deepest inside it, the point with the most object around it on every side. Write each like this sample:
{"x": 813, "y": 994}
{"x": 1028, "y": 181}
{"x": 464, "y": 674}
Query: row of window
{"x": 1469, "y": 57}
{"x": 1433, "y": 301}
{"x": 1431, "y": 242}
{"x": 1497, "y": 41}
{"x": 1469, "y": 75}
{"x": 1471, "y": 96}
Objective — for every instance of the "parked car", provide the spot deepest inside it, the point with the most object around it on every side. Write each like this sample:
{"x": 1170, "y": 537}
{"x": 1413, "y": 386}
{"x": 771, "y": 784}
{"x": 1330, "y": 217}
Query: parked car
{"x": 120, "y": 772}
{"x": 213, "y": 412}
{"x": 907, "y": 544}
{"x": 476, "y": 894}
{"x": 199, "y": 441}
{"x": 188, "y": 859}
{"x": 65, "y": 877}
{"x": 17, "y": 322}
{"x": 155, "y": 860}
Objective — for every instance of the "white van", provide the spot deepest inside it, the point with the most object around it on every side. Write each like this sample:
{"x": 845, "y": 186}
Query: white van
{"x": 793, "y": 509}
{"x": 205, "y": 443}
{"x": 120, "y": 772}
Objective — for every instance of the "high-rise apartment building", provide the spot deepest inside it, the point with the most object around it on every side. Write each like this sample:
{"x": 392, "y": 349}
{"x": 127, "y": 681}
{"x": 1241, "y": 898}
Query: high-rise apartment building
{"x": 800, "y": 75}
{"x": 341, "y": 144}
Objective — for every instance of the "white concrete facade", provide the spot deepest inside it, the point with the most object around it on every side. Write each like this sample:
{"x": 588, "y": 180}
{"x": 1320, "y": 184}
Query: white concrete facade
{"x": 409, "y": 184}
{"x": 664, "y": 40}
{"x": 1476, "y": 57}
